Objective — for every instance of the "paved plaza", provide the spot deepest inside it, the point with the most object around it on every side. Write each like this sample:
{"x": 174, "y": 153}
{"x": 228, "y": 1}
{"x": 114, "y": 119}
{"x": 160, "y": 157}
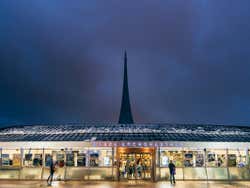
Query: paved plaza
{"x": 130, "y": 184}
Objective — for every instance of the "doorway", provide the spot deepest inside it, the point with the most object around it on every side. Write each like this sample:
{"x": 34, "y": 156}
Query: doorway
{"x": 136, "y": 163}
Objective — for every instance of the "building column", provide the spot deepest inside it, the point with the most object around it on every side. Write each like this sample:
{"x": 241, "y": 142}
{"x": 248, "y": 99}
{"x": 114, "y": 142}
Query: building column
{"x": 118, "y": 164}
{"x": 113, "y": 165}
{"x": 153, "y": 171}
{"x": 87, "y": 162}
{"x": 43, "y": 163}
{"x": 228, "y": 173}
{"x": 65, "y": 163}
{"x": 21, "y": 162}
{"x": 21, "y": 156}
{"x": 159, "y": 163}
{"x": 183, "y": 156}
{"x": 205, "y": 162}
{"x": 247, "y": 157}
{"x": 1, "y": 154}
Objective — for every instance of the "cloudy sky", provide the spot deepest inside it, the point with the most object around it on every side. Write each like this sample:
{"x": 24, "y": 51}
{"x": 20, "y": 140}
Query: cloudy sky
{"x": 62, "y": 61}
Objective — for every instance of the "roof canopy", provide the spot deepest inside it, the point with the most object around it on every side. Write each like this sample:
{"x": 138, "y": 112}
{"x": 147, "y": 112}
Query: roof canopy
{"x": 126, "y": 132}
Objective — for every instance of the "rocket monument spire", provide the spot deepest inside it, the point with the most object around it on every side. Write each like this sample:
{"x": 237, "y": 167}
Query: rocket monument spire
{"x": 125, "y": 112}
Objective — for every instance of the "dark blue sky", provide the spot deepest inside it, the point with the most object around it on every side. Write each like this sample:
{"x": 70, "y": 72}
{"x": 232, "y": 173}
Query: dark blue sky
{"x": 188, "y": 61}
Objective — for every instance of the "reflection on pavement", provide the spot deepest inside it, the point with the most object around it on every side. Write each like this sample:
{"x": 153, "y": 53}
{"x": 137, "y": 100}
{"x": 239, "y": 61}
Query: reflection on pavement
{"x": 129, "y": 184}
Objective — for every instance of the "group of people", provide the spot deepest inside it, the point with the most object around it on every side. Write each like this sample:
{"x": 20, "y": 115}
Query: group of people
{"x": 130, "y": 169}
{"x": 133, "y": 169}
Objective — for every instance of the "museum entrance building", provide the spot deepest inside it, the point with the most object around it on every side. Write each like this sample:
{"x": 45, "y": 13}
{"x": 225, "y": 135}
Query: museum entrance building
{"x": 125, "y": 150}
{"x": 94, "y": 152}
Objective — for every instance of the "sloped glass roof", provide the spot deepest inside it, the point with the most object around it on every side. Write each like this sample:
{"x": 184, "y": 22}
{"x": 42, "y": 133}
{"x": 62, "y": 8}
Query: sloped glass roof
{"x": 126, "y": 132}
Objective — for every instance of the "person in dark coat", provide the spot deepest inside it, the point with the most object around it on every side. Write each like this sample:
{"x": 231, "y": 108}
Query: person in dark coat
{"x": 171, "y": 167}
{"x": 51, "y": 170}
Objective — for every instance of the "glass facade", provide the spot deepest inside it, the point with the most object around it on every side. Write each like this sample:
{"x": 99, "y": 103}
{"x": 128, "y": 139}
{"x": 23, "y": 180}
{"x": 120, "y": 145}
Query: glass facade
{"x": 106, "y": 163}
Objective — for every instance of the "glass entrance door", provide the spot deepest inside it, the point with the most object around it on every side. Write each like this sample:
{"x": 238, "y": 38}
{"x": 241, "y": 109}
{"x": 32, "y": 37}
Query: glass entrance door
{"x": 135, "y": 165}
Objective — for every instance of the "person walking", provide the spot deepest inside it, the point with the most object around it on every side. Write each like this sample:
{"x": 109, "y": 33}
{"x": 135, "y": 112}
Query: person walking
{"x": 139, "y": 169}
{"x": 171, "y": 167}
{"x": 52, "y": 170}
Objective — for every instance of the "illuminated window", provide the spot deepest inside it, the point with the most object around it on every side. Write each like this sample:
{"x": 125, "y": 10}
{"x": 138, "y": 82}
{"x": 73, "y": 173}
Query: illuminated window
{"x": 81, "y": 158}
{"x": 48, "y": 159}
{"x": 175, "y": 156}
{"x": 11, "y": 158}
{"x": 70, "y": 158}
{"x": 76, "y": 158}
{"x": 236, "y": 158}
{"x": 100, "y": 157}
{"x": 216, "y": 158}
{"x": 58, "y": 157}
{"x": 94, "y": 158}
{"x": 32, "y": 158}
{"x": 193, "y": 159}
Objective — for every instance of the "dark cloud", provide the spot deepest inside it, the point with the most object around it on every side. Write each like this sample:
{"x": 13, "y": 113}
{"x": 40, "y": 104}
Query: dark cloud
{"x": 61, "y": 61}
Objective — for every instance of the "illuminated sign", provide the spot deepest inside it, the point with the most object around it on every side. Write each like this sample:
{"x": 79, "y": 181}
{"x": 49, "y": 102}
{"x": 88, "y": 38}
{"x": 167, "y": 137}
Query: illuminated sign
{"x": 135, "y": 144}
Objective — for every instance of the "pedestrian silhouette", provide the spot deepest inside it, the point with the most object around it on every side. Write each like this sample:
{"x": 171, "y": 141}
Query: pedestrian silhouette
{"x": 52, "y": 170}
{"x": 172, "y": 172}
